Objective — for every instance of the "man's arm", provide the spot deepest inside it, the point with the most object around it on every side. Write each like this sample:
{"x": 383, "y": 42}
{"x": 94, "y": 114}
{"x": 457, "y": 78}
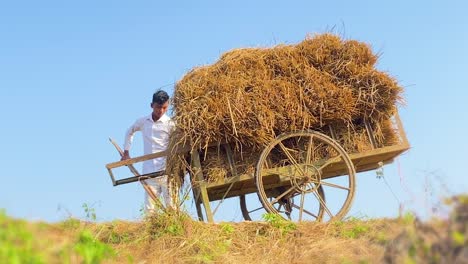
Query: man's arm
{"x": 126, "y": 155}
{"x": 137, "y": 126}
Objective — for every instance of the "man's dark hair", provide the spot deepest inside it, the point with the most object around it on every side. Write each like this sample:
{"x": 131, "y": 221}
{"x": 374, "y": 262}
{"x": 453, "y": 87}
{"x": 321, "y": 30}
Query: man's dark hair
{"x": 160, "y": 97}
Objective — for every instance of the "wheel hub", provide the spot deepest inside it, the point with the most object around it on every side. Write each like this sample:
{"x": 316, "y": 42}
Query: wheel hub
{"x": 308, "y": 179}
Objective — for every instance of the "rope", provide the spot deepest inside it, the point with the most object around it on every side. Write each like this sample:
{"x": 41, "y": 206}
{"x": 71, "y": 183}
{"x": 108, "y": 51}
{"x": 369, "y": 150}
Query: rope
{"x": 390, "y": 188}
{"x": 380, "y": 175}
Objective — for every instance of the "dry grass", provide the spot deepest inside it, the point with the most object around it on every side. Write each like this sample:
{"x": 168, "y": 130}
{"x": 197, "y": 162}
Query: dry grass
{"x": 173, "y": 237}
{"x": 255, "y": 242}
{"x": 250, "y": 96}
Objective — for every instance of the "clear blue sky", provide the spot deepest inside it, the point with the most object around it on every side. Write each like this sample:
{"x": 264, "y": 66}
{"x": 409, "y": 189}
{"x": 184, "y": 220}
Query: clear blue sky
{"x": 73, "y": 73}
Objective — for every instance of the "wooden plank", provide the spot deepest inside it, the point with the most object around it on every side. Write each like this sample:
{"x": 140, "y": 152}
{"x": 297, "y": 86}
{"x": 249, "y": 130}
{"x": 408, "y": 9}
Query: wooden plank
{"x": 394, "y": 150}
{"x": 245, "y": 183}
{"x": 230, "y": 158}
{"x": 196, "y": 197}
{"x": 214, "y": 196}
{"x": 121, "y": 152}
{"x": 183, "y": 149}
{"x": 199, "y": 211}
{"x": 277, "y": 182}
{"x": 229, "y": 180}
{"x": 401, "y": 130}
{"x": 370, "y": 134}
{"x": 196, "y": 167}
{"x": 180, "y": 150}
{"x": 139, "y": 178}
{"x": 332, "y": 132}
{"x": 135, "y": 160}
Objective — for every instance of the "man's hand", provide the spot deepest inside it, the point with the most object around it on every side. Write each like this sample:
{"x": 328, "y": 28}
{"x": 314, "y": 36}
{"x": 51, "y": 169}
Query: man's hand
{"x": 125, "y": 155}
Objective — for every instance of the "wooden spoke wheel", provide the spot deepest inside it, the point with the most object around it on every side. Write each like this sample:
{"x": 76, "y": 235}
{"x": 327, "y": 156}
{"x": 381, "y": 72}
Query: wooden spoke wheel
{"x": 250, "y": 214}
{"x": 254, "y": 210}
{"x": 296, "y": 169}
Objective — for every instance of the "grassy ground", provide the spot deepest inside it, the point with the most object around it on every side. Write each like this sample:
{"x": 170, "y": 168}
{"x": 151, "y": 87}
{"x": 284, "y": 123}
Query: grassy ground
{"x": 175, "y": 238}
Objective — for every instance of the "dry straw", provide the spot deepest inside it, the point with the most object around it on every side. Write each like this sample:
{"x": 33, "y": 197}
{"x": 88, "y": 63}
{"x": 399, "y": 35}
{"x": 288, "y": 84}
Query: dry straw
{"x": 250, "y": 96}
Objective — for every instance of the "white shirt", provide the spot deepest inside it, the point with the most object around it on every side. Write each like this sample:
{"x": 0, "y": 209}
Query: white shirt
{"x": 155, "y": 139}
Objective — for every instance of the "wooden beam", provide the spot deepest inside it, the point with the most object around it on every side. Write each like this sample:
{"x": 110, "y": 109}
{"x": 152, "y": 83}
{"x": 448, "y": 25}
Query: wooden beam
{"x": 135, "y": 160}
{"x": 401, "y": 130}
{"x": 196, "y": 167}
{"x": 370, "y": 134}
{"x": 180, "y": 150}
{"x": 230, "y": 158}
{"x": 364, "y": 160}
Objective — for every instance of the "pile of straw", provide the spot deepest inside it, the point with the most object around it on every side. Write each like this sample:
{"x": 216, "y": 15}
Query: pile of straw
{"x": 251, "y": 95}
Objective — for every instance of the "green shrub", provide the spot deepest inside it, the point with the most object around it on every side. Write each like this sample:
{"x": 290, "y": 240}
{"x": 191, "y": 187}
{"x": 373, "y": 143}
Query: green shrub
{"x": 170, "y": 222}
{"x": 71, "y": 223}
{"x": 90, "y": 212}
{"x": 91, "y": 250}
{"x": 278, "y": 222}
{"x": 356, "y": 231}
{"x": 16, "y": 242}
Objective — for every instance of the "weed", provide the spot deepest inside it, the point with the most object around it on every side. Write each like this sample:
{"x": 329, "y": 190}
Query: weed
{"x": 90, "y": 212}
{"x": 338, "y": 224}
{"x": 227, "y": 228}
{"x": 463, "y": 199}
{"x": 356, "y": 231}
{"x": 175, "y": 229}
{"x": 207, "y": 251}
{"x": 116, "y": 238}
{"x": 408, "y": 218}
{"x": 278, "y": 222}
{"x": 16, "y": 242}
{"x": 109, "y": 234}
{"x": 412, "y": 250}
{"x": 353, "y": 228}
{"x": 170, "y": 222}
{"x": 346, "y": 261}
{"x": 65, "y": 254}
{"x": 91, "y": 250}
{"x": 71, "y": 223}
{"x": 381, "y": 237}
{"x": 354, "y": 219}
{"x": 142, "y": 210}
{"x": 458, "y": 238}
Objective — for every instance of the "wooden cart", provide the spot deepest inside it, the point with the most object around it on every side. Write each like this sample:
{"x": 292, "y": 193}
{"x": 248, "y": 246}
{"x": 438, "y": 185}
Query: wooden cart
{"x": 292, "y": 175}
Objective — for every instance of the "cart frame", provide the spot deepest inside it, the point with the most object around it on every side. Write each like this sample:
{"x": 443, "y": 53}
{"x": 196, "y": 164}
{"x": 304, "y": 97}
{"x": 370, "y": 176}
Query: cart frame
{"x": 241, "y": 184}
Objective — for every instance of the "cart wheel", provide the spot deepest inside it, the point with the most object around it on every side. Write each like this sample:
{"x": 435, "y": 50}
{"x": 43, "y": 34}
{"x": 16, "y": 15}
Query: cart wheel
{"x": 255, "y": 211}
{"x": 245, "y": 211}
{"x": 301, "y": 167}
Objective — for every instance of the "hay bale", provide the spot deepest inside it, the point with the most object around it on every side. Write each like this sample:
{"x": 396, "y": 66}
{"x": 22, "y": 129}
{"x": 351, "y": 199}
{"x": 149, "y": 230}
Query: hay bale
{"x": 215, "y": 165}
{"x": 251, "y": 95}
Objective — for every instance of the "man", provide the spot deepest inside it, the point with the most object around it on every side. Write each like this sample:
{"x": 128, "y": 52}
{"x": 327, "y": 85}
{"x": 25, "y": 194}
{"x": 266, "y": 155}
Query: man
{"x": 155, "y": 129}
